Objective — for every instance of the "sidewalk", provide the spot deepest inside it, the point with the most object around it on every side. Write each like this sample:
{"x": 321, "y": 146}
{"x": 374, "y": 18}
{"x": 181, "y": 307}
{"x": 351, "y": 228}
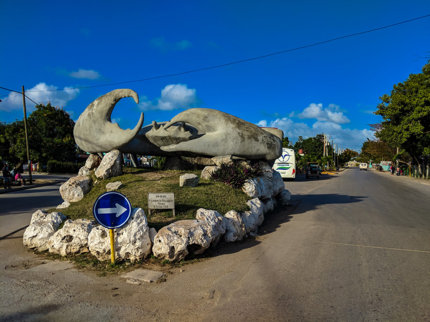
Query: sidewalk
{"x": 406, "y": 178}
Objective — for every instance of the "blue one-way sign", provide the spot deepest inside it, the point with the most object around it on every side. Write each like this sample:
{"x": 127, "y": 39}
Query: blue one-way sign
{"x": 112, "y": 210}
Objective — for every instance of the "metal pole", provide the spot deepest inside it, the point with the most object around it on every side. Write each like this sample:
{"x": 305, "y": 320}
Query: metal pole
{"x": 112, "y": 245}
{"x": 26, "y": 135}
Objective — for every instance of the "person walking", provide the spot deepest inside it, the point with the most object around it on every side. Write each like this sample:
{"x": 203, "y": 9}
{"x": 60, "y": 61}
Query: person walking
{"x": 398, "y": 171}
{"x": 6, "y": 176}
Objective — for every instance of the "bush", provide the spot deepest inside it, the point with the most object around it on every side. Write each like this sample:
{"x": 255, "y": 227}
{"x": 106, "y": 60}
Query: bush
{"x": 235, "y": 175}
{"x": 63, "y": 167}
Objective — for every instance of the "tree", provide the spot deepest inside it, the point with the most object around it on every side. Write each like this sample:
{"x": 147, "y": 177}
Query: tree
{"x": 286, "y": 143}
{"x": 347, "y": 156}
{"x": 50, "y": 136}
{"x": 313, "y": 146}
{"x": 406, "y": 115}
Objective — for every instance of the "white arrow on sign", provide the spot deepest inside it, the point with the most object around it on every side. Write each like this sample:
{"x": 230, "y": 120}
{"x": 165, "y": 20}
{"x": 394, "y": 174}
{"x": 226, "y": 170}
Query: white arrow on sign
{"x": 119, "y": 210}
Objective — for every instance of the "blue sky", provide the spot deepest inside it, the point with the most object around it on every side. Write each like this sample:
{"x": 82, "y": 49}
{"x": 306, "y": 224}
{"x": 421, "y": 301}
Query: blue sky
{"x": 331, "y": 88}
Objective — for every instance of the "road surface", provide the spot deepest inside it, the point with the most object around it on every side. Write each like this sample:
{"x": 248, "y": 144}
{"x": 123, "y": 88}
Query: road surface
{"x": 351, "y": 247}
{"x": 18, "y": 206}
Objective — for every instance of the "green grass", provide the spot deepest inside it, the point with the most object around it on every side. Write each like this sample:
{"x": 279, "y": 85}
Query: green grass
{"x": 137, "y": 183}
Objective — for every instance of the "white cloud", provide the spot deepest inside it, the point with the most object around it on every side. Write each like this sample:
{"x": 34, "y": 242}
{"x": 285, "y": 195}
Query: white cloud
{"x": 165, "y": 46}
{"x": 41, "y": 93}
{"x": 331, "y": 113}
{"x": 262, "y": 123}
{"x": 344, "y": 137}
{"x": 84, "y": 73}
{"x": 173, "y": 97}
{"x": 369, "y": 112}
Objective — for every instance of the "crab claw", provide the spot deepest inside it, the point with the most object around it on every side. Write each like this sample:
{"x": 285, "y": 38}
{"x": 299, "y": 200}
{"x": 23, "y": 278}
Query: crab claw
{"x": 94, "y": 132}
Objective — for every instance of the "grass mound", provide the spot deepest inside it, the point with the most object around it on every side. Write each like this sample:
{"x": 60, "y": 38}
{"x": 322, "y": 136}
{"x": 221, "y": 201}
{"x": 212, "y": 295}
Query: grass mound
{"x": 139, "y": 182}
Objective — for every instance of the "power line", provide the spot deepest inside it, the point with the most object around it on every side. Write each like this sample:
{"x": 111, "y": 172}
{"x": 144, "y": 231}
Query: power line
{"x": 11, "y": 90}
{"x": 243, "y": 60}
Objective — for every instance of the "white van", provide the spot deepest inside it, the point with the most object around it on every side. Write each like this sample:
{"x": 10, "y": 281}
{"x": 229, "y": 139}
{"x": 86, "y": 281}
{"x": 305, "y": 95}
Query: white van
{"x": 286, "y": 164}
{"x": 363, "y": 166}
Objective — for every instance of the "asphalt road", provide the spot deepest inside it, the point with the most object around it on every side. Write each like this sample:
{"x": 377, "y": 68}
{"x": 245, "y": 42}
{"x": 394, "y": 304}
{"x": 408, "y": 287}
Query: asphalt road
{"x": 18, "y": 206}
{"x": 351, "y": 247}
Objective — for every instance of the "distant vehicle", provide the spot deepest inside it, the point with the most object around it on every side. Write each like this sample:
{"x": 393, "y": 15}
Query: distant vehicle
{"x": 363, "y": 166}
{"x": 286, "y": 164}
{"x": 312, "y": 170}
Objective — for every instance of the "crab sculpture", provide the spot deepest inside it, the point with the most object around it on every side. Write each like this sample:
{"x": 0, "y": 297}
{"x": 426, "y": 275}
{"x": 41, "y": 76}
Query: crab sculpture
{"x": 194, "y": 132}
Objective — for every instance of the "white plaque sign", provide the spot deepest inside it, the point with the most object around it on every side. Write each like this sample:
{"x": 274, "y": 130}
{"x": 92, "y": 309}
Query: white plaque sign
{"x": 161, "y": 201}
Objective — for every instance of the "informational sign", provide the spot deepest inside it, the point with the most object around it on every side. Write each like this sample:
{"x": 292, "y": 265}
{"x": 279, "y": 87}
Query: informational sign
{"x": 161, "y": 201}
{"x": 112, "y": 210}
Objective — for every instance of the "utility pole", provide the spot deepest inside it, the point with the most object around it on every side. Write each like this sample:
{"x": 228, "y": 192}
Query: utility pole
{"x": 332, "y": 146}
{"x": 338, "y": 155}
{"x": 324, "y": 146}
{"x": 26, "y": 135}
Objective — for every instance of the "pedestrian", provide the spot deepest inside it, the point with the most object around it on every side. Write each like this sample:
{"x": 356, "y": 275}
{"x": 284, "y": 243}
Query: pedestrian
{"x": 392, "y": 170}
{"x": 6, "y": 176}
{"x": 398, "y": 171}
{"x": 19, "y": 178}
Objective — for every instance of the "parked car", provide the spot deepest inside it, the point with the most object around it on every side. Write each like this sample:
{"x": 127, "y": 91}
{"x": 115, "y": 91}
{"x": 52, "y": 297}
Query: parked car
{"x": 363, "y": 166}
{"x": 312, "y": 170}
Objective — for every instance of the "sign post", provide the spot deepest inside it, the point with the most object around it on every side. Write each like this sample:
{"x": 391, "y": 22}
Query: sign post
{"x": 161, "y": 201}
{"x": 112, "y": 210}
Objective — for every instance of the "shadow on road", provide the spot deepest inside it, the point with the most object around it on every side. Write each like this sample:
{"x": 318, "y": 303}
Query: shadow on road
{"x": 302, "y": 178}
{"x": 274, "y": 220}
{"x": 35, "y": 313}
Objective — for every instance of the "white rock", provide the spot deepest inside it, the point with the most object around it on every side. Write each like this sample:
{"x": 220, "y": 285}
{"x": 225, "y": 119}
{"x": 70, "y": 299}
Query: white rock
{"x": 99, "y": 243}
{"x": 112, "y": 186}
{"x": 267, "y": 170}
{"x": 72, "y": 238}
{"x": 92, "y": 162}
{"x": 132, "y": 241}
{"x": 189, "y": 180}
{"x": 215, "y": 221}
{"x": 284, "y": 197}
{"x": 222, "y": 159}
{"x": 152, "y": 234}
{"x": 110, "y": 165}
{"x": 175, "y": 241}
{"x": 235, "y": 228}
{"x": 254, "y": 217}
{"x": 64, "y": 205}
{"x": 207, "y": 172}
{"x": 75, "y": 188}
{"x": 84, "y": 171}
{"x": 41, "y": 228}
{"x": 259, "y": 187}
{"x": 268, "y": 185}
{"x": 269, "y": 205}
{"x": 277, "y": 183}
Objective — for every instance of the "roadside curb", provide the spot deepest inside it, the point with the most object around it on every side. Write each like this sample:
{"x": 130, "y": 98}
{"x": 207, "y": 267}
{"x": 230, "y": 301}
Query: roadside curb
{"x": 30, "y": 187}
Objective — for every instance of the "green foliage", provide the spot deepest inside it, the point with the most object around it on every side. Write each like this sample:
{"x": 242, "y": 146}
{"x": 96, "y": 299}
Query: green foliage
{"x": 160, "y": 163}
{"x": 286, "y": 143}
{"x": 63, "y": 167}
{"x": 314, "y": 150}
{"x": 313, "y": 146}
{"x": 50, "y": 136}
{"x": 234, "y": 175}
{"x": 406, "y": 115}
{"x": 347, "y": 156}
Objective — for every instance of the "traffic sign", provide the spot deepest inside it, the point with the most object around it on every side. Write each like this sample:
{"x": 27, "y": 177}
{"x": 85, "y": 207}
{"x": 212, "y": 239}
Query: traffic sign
{"x": 112, "y": 210}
